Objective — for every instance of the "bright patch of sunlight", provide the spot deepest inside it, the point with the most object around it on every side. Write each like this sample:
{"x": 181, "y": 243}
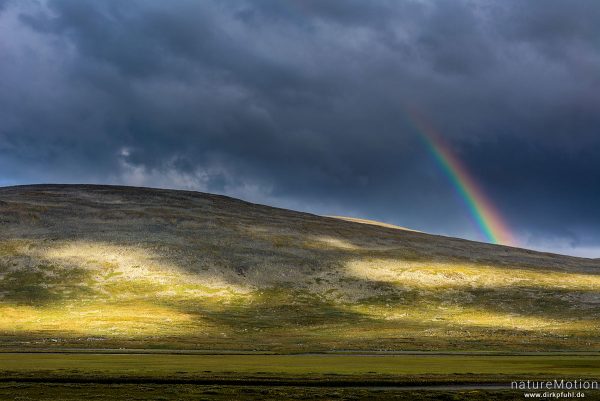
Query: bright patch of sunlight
{"x": 431, "y": 275}
{"x": 461, "y": 317}
{"x": 372, "y": 222}
{"x": 96, "y": 319}
{"x": 140, "y": 264}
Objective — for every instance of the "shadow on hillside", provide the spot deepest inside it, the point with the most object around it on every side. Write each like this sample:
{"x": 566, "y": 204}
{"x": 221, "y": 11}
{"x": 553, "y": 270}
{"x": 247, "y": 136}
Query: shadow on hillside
{"x": 294, "y": 268}
{"x": 289, "y": 311}
{"x": 43, "y": 283}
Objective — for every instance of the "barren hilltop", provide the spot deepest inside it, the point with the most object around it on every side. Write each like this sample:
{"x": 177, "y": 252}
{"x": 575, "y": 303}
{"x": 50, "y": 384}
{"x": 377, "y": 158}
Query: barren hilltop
{"x": 109, "y": 267}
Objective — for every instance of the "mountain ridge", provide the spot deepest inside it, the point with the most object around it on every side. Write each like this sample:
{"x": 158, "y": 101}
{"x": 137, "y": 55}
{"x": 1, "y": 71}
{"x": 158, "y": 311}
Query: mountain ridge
{"x": 356, "y": 220}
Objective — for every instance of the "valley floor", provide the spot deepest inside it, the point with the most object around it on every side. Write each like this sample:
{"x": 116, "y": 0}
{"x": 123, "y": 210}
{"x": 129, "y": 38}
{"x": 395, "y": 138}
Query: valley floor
{"x": 160, "y": 376}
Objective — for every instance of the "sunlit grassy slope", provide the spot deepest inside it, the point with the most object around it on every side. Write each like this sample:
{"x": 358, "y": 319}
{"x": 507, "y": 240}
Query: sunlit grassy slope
{"x": 107, "y": 267}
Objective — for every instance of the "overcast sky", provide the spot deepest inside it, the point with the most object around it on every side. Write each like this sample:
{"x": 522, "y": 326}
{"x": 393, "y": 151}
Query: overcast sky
{"x": 302, "y": 104}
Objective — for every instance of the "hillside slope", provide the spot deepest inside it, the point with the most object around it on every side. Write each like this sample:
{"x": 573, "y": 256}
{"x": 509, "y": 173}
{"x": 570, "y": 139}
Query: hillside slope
{"x": 101, "y": 266}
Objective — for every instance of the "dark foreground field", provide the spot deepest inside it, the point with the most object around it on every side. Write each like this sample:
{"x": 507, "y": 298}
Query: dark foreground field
{"x": 51, "y": 391}
{"x": 131, "y": 376}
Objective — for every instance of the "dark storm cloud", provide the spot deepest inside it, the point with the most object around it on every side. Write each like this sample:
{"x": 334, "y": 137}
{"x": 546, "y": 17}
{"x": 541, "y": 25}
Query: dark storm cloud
{"x": 303, "y": 104}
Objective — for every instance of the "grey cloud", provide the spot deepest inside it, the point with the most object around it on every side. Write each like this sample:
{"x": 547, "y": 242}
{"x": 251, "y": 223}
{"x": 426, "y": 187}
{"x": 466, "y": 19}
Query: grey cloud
{"x": 303, "y": 103}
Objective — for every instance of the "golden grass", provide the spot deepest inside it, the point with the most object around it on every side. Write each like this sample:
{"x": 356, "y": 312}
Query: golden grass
{"x": 433, "y": 275}
{"x": 95, "y": 319}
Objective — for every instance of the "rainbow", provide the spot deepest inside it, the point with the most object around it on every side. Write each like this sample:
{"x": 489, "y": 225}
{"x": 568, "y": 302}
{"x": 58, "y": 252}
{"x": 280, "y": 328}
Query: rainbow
{"x": 486, "y": 217}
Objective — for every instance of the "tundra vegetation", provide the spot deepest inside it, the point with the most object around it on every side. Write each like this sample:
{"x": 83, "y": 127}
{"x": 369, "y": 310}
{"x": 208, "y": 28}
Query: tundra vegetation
{"x": 113, "y": 267}
{"x": 101, "y": 267}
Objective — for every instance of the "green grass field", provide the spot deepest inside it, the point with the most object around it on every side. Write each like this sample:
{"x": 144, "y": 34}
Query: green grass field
{"x": 325, "y": 367}
{"x": 306, "y": 367}
{"x": 72, "y": 376}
